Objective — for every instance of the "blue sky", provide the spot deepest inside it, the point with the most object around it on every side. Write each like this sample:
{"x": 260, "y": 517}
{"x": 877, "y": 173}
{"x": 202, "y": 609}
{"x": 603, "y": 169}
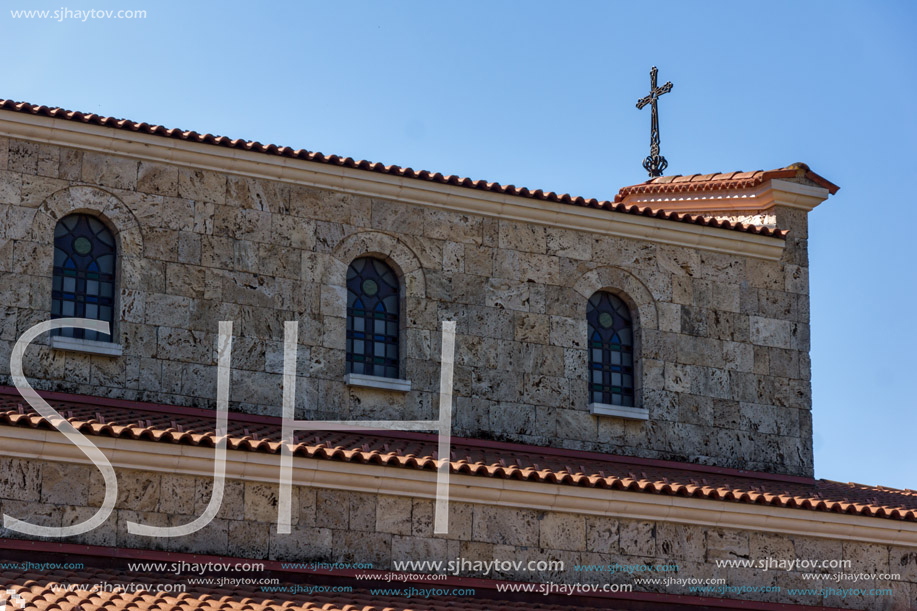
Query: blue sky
{"x": 542, "y": 94}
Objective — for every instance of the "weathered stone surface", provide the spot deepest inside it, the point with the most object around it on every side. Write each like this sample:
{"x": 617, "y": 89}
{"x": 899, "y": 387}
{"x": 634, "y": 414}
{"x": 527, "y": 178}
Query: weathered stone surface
{"x": 562, "y": 531}
{"x": 393, "y": 515}
{"x": 637, "y": 538}
{"x": 20, "y": 480}
{"x": 108, "y": 171}
{"x": 505, "y": 525}
{"x": 200, "y": 247}
{"x": 157, "y": 178}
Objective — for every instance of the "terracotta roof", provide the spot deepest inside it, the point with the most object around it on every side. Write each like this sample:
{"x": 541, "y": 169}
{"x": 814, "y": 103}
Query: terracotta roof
{"x": 721, "y": 181}
{"x": 394, "y": 170}
{"x": 190, "y": 426}
{"x": 40, "y": 590}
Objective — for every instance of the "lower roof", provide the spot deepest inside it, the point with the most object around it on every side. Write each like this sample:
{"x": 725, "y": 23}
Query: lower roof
{"x": 42, "y": 584}
{"x": 72, "y": 590}
{"x": 248, "y": 433}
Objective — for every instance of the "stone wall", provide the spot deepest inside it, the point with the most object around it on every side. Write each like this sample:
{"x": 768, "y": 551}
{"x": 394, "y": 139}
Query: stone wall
{"x": 724, "y": 340}
{"x": 341, "y": 526}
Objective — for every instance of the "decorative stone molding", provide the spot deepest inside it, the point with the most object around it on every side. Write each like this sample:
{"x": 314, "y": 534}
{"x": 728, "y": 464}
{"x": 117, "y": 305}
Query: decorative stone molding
{"x": 126, "y": 230}
{"x": 258, "y": 467}
{"x": 384, "y": 246}
{"x": 624, "y": 284}
{"x": 94, "y": 201}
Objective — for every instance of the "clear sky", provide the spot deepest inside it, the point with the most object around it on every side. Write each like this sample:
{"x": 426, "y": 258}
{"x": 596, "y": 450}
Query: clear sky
{"x": 542, "y": 94}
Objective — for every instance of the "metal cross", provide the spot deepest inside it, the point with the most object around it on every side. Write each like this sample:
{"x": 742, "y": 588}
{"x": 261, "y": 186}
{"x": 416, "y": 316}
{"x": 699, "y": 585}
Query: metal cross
{"x": 655, "y": 163}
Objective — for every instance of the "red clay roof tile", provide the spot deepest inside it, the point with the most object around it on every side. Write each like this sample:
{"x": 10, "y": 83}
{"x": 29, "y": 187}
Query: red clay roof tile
{"x": 47, "y": 590}
{"x": 285, "y": 151}
{"x": 722, "y": 181}
{"x": 141, "y": 421}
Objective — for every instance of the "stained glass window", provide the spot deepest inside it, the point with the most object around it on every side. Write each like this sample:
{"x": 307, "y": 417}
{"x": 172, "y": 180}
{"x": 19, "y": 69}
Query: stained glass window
{"x": 372, "y": 318}
{"x": 611, "y": 350}
{"x": 84, "y": 274}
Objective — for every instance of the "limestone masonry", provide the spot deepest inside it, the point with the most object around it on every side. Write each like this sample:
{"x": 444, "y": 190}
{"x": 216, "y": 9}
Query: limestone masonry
{"x": 722, "y": 339}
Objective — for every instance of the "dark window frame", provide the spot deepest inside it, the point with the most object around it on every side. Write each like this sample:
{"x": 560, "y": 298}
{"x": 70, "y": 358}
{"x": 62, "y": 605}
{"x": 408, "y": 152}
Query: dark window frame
{"x": 373, "y": 319}
{"x": 611, "y": 345}
{"x": 84, "y": 278}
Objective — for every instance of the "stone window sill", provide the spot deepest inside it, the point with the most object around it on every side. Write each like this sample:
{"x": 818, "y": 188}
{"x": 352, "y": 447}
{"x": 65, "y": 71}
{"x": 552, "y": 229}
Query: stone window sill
{"x": 619, "y": 411}
{"x": 88, "y": 346}
{"x": 359, "y": 379}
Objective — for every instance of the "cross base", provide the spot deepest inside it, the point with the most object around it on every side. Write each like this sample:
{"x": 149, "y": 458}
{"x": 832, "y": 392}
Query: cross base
{"x": 655, "y": 165}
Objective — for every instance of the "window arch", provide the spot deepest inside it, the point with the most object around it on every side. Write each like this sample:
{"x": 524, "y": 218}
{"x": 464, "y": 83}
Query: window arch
{"x": 611, "y": 350}
{"x": 84, "y": 274}
{"x": 373, "y": 325}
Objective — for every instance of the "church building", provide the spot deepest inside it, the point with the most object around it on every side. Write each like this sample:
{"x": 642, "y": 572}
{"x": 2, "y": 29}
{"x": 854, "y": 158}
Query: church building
{"x": 569, "y": 403}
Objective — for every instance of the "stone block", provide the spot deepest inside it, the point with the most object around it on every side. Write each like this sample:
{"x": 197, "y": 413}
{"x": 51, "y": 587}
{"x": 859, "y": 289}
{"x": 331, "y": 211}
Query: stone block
{"x": 109, "y": 171}
{"x": 866, "y": 557}
{"x": 157, "y": 178}
{"x": 702, "y": 351}
{"x": 680, "y": 541}
{"x": 428, "y": 548}
{"x": 505, "y": 525}
{"x": 393, "y": 514}
{"x": 568, "y": 332}
{"x": 562, "y": 531}
{"x": 506, "y": 294}
{"x": 725, "y": 544}
{"x": 601, "y": 534}
{"x": 577, "y": 424}
{"x": 10, "y": 187}
{"x": 453, "y": 257}
{"x": 553, "y": 391}
{"x": 773, "y": 333}
{"x": 48, "y": 160}
{"x": 103, "y": 535}
{"x": 186, "y": 346}
{"x": 397, "y": 217}
{"x": 768, "y": 545}
{"x": 637, "y": 538}
{"x": 257, "y": 194}
{"x": 568, "y": 243}
{"x": 40, "y": 514}
{"x": 447, "y": 225}
{"x": 137, "y": 490}
{"x": 20, "y": 479}
{"x": 738, "y": 356}
{"x": 147, "y": 518}
{"x": 765, "y": 274}
{"x": 532, "y": 328}
{"x": 512, "y": 419}
{"x": 363, "y": 547}
{"x": 261, "y": 503}
{"x": 177, "y": 494}
{"x": 201, "y": 185}
{"x": 522, "y": 237}
{"x": 479, "y": 260}
{"x": 248, "y": 540}
{"x": 302, "y": 544}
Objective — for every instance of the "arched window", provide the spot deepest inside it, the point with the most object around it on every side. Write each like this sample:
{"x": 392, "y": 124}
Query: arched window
{"x": 372, "y": 318}
{"x": 84, "y": 274}
{"x": 611, "y": 350}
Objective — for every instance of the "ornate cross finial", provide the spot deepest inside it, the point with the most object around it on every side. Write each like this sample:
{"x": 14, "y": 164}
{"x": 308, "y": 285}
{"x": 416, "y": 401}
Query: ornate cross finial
{"x": 655, "y": 163}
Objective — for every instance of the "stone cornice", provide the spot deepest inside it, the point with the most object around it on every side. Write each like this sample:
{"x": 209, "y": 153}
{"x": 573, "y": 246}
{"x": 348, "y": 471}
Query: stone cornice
{"x": 252, "y": 466}
{"x": 148, "y": 147}
{"x": 757, "y": 199}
